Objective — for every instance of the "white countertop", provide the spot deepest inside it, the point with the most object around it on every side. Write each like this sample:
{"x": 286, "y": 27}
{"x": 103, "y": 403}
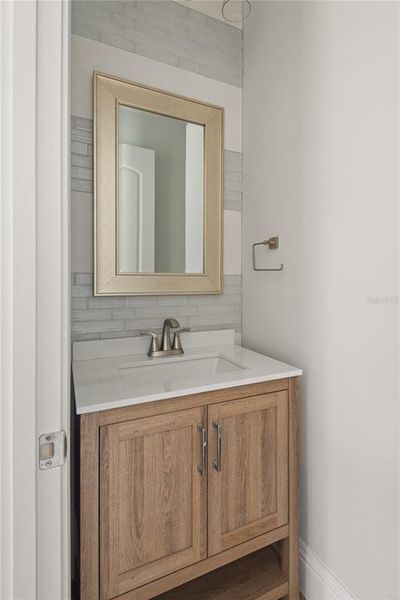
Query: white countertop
{"x": 104, "y": 370}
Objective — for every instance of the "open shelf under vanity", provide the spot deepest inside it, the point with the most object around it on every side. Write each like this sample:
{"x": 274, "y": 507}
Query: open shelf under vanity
{"x": 257, "y": 576}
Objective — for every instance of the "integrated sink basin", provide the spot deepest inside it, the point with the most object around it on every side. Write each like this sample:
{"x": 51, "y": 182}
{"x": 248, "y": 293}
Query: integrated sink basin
{"x": 181, "y": 368}
{"x": 117, "y": 373}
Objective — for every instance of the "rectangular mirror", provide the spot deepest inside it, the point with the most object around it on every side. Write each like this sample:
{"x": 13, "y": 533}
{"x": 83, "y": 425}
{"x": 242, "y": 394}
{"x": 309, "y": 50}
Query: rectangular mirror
{"x": 158, "y": 195}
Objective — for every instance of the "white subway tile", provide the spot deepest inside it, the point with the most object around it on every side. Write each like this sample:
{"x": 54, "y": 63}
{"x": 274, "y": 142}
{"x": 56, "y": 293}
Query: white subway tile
{"x": 96, "y": 326}
{"x": 106, "y": 302}
{"x": 98, "y": 314}
{"x": 232, "y": 242}
{"x": 83, "y": 278}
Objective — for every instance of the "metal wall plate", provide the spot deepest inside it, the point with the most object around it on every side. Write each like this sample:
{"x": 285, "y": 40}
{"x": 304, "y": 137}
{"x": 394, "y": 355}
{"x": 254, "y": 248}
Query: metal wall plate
{"x": 52, "y": 449}
{"x": 272, "y": 242}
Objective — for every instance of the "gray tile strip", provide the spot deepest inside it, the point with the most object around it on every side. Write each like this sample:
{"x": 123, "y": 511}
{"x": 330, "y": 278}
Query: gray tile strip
{"x": 112, "y": 317}
{"x": 165, "y": 31}
{"x": 81, "y": 154}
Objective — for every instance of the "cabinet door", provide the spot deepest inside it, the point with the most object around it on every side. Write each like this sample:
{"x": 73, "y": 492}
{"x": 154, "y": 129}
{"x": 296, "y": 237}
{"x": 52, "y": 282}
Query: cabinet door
{"x": 152, "y": 499}
{"x": 248, "y": 469}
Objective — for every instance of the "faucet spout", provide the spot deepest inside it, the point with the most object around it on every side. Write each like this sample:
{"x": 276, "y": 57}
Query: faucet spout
{"x": 166, "y": 333}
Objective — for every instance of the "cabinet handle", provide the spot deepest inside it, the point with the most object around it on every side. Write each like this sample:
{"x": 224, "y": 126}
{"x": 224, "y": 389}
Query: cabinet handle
{"x": 203, "y": 445}
{"x": 217, "y": 464}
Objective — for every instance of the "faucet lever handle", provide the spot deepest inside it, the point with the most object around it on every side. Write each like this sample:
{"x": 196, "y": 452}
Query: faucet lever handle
{"x": 154, "y": 346}
{"x": 154, "y": 334}
{"x": 177, "y": 338}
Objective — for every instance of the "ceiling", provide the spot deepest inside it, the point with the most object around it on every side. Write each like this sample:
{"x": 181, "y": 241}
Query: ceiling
{"x": 212, "y": 8}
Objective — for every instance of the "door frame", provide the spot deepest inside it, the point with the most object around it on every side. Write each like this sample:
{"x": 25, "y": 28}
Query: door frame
{"x": 34, "y": 302}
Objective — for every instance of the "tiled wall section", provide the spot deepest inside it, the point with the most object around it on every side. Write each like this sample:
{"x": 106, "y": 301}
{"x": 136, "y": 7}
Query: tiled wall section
{"x": 170, "y": 33}
{"x": 82, "y": 165}
{"x": 111, "y": 317}
{"x": 164, "y": 31}
{"x": 101, "y": 317}
{"x": 81, "y": 155}
{"x": 232, "y": 180}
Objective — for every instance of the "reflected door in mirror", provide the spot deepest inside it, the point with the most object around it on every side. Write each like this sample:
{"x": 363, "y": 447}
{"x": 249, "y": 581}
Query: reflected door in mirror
{"x": 160, "y": 193}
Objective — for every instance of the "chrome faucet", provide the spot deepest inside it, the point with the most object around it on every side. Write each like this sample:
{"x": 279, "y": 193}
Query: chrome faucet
{"x": 167, "y": 349}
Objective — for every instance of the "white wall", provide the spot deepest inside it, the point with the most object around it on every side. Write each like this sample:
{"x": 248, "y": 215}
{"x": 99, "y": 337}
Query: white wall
{"x": 321, "y": 140}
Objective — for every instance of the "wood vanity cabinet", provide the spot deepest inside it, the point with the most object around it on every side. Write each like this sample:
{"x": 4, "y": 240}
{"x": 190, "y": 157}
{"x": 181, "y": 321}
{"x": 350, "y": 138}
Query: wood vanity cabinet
{"x": 248, "y": 491}
{"x": 183, "y": 498}
{"x": 153, "y": 517}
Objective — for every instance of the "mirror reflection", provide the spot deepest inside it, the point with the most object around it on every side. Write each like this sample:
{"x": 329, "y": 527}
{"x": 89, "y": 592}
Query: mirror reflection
{"x": 160, "y": 193}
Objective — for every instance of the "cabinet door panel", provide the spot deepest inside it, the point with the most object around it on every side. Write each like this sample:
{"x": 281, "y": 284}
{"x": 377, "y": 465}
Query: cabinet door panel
{"x": 248, "y": 495}
{"x": 152, "y": 500}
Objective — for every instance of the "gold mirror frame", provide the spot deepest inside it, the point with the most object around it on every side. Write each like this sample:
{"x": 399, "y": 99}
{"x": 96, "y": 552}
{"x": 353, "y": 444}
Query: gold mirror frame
{"x": 109, "y": 92}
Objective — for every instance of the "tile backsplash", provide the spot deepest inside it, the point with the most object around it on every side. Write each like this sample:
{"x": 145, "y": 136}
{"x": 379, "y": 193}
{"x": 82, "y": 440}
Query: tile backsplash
{"x": 120, "y": 316}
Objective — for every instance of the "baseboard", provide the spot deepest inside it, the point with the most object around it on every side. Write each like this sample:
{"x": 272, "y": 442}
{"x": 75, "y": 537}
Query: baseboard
{"x": 317, "y": 582}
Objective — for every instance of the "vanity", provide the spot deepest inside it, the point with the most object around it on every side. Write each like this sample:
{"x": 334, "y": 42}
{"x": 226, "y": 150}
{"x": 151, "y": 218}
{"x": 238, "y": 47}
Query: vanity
{"x": 188, "y": 467}
{"x": 188, "y": 441}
